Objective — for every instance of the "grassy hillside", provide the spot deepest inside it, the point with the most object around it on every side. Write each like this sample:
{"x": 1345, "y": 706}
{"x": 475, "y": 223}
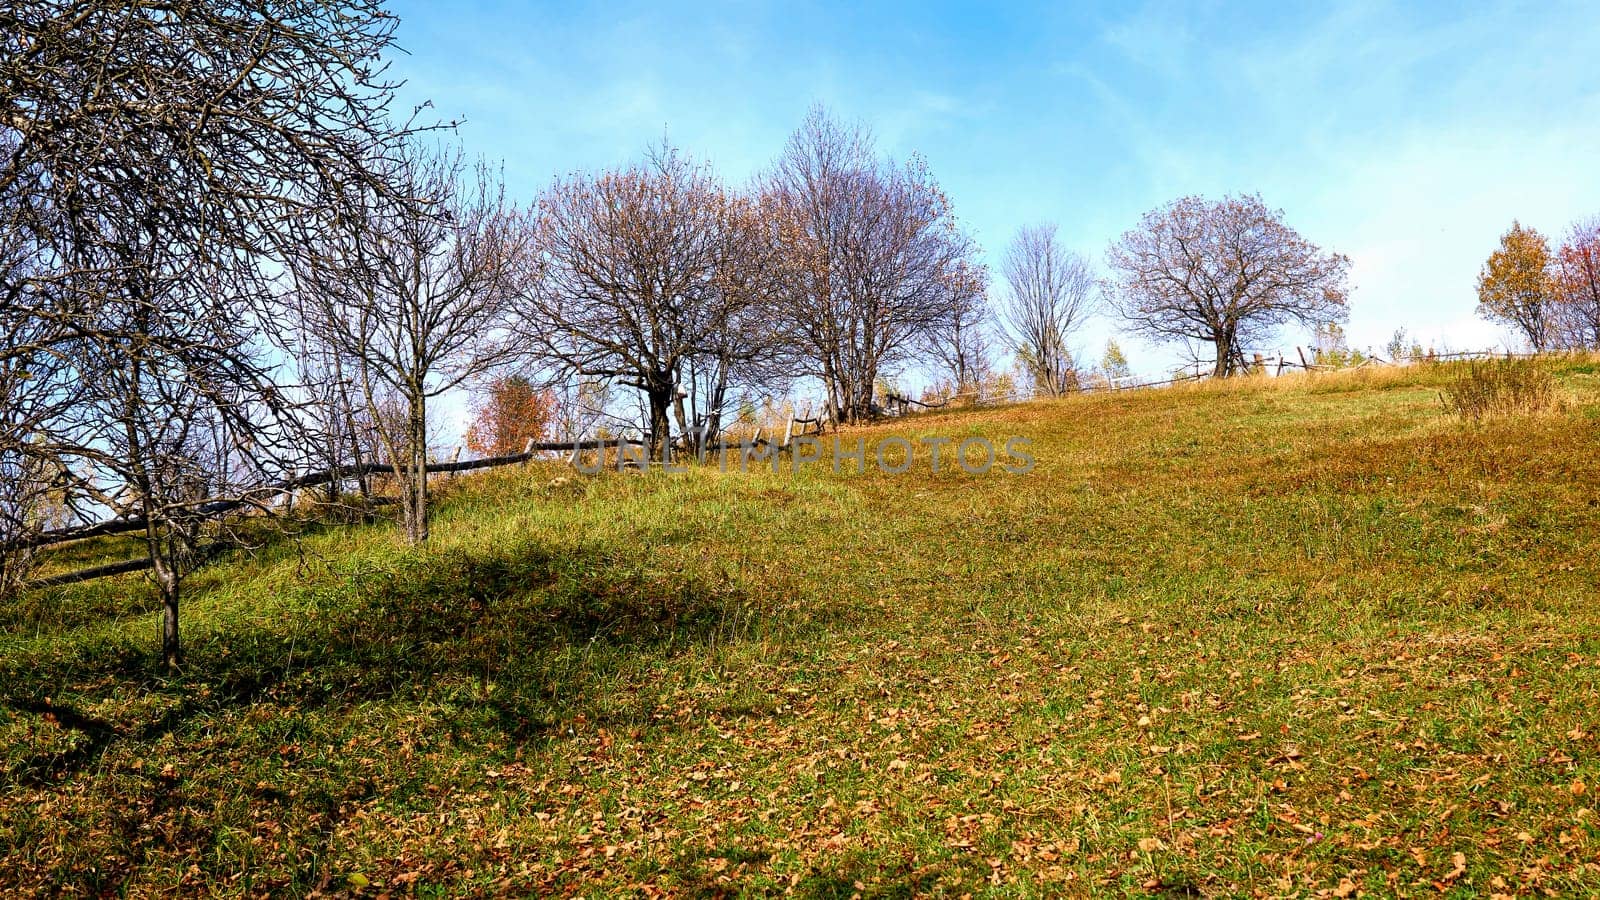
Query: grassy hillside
{"x": 1262, "y": 638}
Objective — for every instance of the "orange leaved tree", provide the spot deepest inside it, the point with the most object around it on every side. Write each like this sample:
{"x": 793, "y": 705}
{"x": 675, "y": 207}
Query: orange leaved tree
{"x": 513, "y": 413}
{"x": 1515, "y": 288}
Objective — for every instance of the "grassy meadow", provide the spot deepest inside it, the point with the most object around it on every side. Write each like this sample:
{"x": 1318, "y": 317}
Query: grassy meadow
{"x": 1309, "y": 636}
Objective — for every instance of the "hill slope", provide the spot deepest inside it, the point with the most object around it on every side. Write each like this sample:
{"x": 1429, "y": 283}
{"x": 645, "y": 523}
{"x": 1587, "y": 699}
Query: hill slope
{"x": 1250, "y": 638}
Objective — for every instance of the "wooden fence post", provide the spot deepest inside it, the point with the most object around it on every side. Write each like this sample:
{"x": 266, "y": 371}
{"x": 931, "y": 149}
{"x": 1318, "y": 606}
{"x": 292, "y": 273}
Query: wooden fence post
{"x": 1302, "y": 357}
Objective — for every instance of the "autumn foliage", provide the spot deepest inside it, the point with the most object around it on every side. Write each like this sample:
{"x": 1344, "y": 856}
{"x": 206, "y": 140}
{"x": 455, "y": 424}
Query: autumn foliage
{"x": 1514, "y": 287}
{"x": 1551, "y": 298}
{"x": 512, "y": 413}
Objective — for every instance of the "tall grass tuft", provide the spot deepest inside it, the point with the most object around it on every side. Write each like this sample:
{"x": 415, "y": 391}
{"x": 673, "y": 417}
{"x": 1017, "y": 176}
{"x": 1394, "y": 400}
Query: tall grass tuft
{"x": 1500, "y": 387}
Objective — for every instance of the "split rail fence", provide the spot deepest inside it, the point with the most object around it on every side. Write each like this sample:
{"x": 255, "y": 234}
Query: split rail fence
{"x": 797, "y": 426}
{"x": 256, "y": 497}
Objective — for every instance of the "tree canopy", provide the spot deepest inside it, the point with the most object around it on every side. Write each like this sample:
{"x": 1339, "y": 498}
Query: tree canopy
{"x": 1224, "y": 272}
{"x": 1515, "y": 287}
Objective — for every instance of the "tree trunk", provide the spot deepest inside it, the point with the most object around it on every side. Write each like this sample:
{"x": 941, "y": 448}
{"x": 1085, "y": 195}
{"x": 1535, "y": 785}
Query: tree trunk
{"x": 363, "y": 478}
{"x": 168, "y": 580}
{"x": 416, "y": 486}
{"x": 1224, "y": 363}
{"x": 331, "y": 490}
{"x": 1050, "y": 369}
{"x": 660, "y": 394}
{"x": 847, "y": 406}
{"x": 714, "y": 409}
{"x": 332, "y": 459}
{"x": 339, "y": 423}
{"x": 855, "y": 398}
{"x": 167, "y": 584}
{"x": 679, "y": 414}
{"x": 166, "y": 574}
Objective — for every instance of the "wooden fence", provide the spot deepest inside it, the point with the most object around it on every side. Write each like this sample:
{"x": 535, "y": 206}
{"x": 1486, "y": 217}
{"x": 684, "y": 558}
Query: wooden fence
{"x": 797, "y": 426}
{"x": 254, "y": 497}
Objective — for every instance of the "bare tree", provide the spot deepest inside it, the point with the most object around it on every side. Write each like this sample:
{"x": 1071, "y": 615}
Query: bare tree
{"x": 872, "y": 258}
{"x": 580, "y": 409}
{"x": 1577, "y": 286}
{"x": 155, "y": 155}
{"x": 415, "y": 294}
{"x": 959, "y": 345}
{"x": 36, "y": 387}
{"x": 745, "y": 357}
{"x": 1050, "y": 293}
{"x": 31, "y": 486}
{"x": 1227, "y": 273}
{"x": 643, "y": 273}
{"x": 175, "y": 408}
{"x": 321, "y": 377}
{"x": 333, "y": 413}
{"x": 748, "y": 354}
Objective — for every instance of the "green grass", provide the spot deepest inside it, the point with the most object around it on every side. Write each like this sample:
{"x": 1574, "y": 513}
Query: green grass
{"x": 1259, "y": 638}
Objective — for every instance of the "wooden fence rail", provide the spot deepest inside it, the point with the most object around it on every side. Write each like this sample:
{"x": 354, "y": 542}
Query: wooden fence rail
{"x": 221, "y": 506}
{"x": 205, "y": 554}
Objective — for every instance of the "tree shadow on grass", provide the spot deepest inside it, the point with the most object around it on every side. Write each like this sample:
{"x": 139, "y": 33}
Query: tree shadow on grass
{"x": 839, "y": 878}
{"x": 521, "y": 636}
{"x": 731, "y": 870}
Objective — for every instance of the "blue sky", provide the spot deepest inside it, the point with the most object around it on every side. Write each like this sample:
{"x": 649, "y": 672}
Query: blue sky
{"x": 1407, "y": 136}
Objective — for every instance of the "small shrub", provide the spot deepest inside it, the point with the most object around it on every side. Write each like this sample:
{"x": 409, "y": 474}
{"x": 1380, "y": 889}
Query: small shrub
{"x": 1500, "y": 387}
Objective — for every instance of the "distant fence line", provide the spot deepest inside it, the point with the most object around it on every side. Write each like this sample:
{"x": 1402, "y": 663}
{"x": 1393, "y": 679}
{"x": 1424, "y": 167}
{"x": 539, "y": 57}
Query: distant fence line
{"x": 211, "y": 509}
{"x": 220, "y": 506}
{"x": 797, "y": 426}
